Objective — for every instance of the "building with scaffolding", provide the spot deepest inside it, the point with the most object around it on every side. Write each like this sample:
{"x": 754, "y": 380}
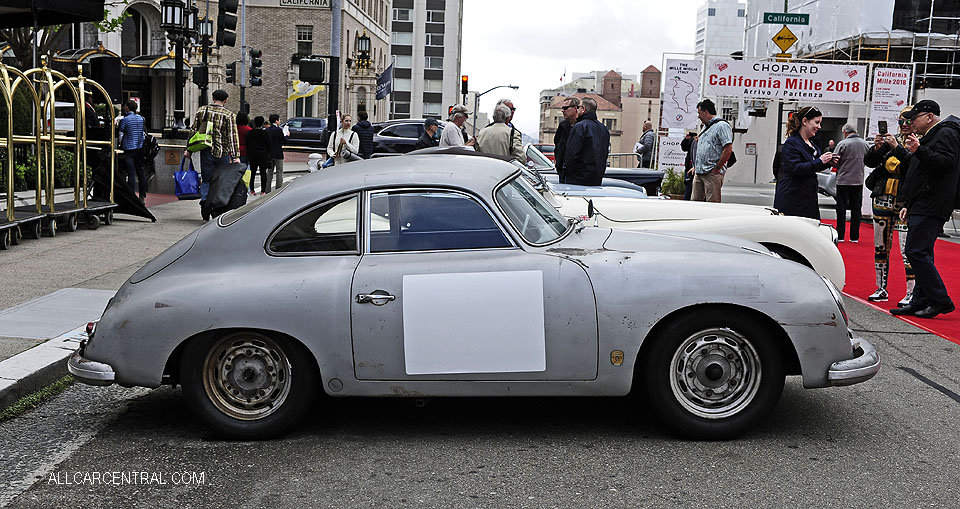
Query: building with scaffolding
{"x": 921, "y": 35}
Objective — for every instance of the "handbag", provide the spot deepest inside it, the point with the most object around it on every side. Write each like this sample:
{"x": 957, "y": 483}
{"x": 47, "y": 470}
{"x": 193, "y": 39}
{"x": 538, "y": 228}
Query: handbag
{"x": 203, "y": 138}
{"x": 876, "y": 181}
{"x": 187, "y": 182}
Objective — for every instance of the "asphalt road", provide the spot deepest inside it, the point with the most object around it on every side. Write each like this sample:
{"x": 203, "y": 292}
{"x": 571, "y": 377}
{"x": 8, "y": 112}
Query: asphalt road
{"x": 891, "y": 442}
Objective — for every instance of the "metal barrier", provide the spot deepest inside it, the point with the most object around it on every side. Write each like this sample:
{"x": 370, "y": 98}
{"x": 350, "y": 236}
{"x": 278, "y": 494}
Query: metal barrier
{"x": 622, "y": 160}
{"x": 43, "y": 84}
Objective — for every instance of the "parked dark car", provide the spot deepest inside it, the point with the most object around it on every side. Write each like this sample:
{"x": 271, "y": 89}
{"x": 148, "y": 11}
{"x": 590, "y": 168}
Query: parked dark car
{"x": 397, "y": 136}
{"x": 307, "y": 132}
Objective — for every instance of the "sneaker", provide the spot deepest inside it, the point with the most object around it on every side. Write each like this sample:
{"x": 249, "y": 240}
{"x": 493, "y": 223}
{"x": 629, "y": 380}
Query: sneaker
{"x": 905, "y": 300}
{"x": 854, "y": 241}
{"x": 878, "y": 296}
{"x": 839, "y": 241}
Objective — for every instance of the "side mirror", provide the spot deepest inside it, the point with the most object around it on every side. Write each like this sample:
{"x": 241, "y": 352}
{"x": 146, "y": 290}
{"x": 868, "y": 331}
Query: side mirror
{"x": 530, "y": 164}
{"x": 590, "y": 211}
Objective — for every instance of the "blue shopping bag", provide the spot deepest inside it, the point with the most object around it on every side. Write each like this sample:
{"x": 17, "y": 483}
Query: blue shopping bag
{"x": 187, "y": 182}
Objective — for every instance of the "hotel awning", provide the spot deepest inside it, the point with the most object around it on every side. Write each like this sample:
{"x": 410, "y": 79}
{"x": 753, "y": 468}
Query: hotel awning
{"x": 20, "y": 13}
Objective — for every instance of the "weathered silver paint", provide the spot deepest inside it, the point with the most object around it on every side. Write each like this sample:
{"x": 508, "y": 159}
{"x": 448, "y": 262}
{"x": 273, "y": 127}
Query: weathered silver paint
{"x": 605, "y": 290}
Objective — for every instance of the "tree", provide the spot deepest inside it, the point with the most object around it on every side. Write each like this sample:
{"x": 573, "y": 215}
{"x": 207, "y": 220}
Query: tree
{"x": 21, "y": 39}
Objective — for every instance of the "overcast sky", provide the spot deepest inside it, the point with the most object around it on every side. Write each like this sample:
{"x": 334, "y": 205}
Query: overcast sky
{"x": 530, "y": 42}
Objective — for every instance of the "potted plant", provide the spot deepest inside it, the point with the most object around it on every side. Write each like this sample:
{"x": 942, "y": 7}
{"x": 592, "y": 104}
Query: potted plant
{"x": 672, "y": 185}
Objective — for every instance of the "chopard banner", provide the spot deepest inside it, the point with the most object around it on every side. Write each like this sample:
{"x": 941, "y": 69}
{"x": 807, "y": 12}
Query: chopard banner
{"x": 794, "y": 81}
{"x": 891, "y": 92}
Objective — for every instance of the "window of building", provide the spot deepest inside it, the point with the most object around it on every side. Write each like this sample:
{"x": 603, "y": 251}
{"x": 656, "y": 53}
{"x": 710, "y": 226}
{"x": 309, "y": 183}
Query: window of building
{"x": 741, "y": 13}
{"x": 402, "y": 84}
{"x": 304, "y": 40}
{"x": 431, "y": 109}
{"x": 711, "y": 12}
{"x": 303, "y": 107}
{"x": 402, "y": 107}
{"x": 432, "y": 86}
{"x": 434, "y": 16}
{"x": 403, "y": 15}
{"x": 403, "y": 61}
{"x": 401, "y": 38}
{"x": 433, "y": 62}
{"x": 434, "y": 39}
{"x": 611, "y": 124}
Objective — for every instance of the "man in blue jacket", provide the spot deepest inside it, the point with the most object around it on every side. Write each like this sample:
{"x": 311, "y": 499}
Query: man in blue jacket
{"x": 585, "y": 160}
{"x": 929, "y": 192}
{"x": 364, "y": 130}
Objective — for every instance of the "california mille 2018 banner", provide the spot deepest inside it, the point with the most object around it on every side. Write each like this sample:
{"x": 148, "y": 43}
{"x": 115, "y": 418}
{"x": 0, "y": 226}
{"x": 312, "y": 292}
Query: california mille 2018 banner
{"x": 891, "y": 91}
{"x": 791, "y": 81}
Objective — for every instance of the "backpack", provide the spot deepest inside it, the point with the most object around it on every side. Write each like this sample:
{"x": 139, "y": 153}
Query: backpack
{"x": 150, "y": 147}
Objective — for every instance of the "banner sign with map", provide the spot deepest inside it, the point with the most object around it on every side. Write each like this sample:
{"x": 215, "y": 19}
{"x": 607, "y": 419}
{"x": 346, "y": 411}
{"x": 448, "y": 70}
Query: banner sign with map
{"x": 681, "y": 93}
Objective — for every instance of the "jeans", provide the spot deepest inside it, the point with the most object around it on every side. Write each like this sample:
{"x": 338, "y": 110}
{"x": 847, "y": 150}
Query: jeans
{"x": 136, "y": 176}
{"x": 921, "y": 236}
{"x": 208, "y": 164}
{"x": 849, "y": 198}
{"x": 265, "y": 168}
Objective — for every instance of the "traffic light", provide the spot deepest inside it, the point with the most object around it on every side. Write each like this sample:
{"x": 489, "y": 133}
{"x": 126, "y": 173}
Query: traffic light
{"x": 232, "y": 72}
{"x": 227, "y": 23}
{"x": 255, "y": 67}
{"x": 312, "y": 70}
{"x": 200, "y": 75}
{"x": 449, "y": 111}
{"x": 463, "y": 84}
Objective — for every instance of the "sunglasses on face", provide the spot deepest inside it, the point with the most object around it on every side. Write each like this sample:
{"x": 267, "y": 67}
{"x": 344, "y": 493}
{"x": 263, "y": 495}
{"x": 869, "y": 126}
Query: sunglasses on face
{"x": 565, "y": 108}
{"x": 513, "y": 109}
{"x": 904, "y": 121}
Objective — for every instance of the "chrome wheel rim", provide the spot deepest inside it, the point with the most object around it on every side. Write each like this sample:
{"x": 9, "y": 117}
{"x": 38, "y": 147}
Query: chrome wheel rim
{"x": 715, "y": 373}
{"x": 246, "y": 376}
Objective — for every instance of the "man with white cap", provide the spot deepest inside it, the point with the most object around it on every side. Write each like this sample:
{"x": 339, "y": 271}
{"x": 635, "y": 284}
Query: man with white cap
{"x": 453, "y": 134}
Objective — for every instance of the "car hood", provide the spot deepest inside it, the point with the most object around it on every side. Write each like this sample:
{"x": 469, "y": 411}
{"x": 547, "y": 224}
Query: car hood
{"x": 589, "y": 241}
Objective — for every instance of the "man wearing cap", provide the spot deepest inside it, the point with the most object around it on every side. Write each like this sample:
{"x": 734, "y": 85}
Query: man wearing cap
{"x": 428, "y": 138}
{"x": 453, "y": 134}
{"x": 929, "y": 190}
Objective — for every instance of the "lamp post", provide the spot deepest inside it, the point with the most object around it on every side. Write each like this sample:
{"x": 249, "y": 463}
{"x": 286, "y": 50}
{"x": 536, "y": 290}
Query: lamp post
{"x": 180, "y": 22}
{"x": 476, "y": 103}
{"x": 206, "y": 32}
{"x": 363, "y": 51}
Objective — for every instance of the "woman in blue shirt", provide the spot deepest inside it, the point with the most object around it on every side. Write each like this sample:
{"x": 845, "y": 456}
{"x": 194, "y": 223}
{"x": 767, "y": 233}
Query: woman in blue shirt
{"x": 131, "y": 142}
{"x": 800, "y": 160}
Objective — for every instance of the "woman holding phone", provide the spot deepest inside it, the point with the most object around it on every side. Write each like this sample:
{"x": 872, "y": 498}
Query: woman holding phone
{"x": 800, "y": 160}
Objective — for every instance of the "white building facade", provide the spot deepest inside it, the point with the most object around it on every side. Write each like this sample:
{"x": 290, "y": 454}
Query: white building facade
{"x": 720, "y": 26}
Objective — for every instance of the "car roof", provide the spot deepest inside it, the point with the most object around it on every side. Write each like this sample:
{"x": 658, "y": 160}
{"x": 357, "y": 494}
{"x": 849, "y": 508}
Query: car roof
{"x": 388, "y": 123}
{"x": 477, "y": 174}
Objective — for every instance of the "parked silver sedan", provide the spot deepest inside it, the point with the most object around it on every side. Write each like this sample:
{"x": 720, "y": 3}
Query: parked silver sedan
{"x": 447, "y": 275}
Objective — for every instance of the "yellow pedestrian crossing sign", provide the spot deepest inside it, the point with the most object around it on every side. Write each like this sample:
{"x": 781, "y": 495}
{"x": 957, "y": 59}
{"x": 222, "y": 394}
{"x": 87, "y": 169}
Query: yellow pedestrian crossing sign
{"x": 784, "y": 39}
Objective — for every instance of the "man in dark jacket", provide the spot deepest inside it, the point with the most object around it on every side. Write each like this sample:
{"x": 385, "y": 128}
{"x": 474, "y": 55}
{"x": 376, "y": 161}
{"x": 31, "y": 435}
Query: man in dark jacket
{"x": 428, "y": 138}
{"x": 259, "y": 152}
{"x": 929, "y": 191}
{"x": 570, "y": 110}
{"x": 277, "y": 139}
{"x": 364, "y": 131}
{"x": 644, "y": 147}
{"x": 585, "y": 160}
{"x": 688, "y": 145}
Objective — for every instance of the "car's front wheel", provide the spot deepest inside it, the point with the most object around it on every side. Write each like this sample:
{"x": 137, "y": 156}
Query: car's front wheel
{"x": 713, "y": 375}
{"x": 248, "y": 385}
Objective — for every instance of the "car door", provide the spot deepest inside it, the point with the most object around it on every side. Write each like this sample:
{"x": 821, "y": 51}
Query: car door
{"x": 443, "y": 293}
{"x": 296, "y": 131}
{"x": 313, "y": 130}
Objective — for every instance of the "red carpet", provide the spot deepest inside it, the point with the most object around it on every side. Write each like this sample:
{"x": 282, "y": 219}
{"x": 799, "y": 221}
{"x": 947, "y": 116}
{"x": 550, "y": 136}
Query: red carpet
{"x": 154, "y": 199}
{"x": 861, "y": 279}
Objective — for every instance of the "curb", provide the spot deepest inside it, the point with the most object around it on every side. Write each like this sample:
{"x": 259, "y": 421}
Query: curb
{"x": 31, "y": 370}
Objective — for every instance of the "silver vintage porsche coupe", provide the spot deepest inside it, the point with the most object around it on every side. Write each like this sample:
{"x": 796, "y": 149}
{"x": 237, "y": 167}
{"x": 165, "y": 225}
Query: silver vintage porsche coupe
{"x": 450, "y": 275}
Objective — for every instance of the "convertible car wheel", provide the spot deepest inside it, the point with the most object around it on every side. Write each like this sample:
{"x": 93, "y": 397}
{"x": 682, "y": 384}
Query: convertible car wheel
{"x": 247, "y": 385}
{"x": 713, "y": 376}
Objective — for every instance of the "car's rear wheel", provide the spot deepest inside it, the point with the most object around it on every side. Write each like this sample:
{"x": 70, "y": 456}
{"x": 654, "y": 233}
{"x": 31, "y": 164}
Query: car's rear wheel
{"x": 713, "y": 375}
{"x": 247, "y": 385}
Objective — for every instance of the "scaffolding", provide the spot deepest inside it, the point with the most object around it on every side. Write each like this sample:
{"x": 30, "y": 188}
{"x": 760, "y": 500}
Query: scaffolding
{"x": 930, "y": 40}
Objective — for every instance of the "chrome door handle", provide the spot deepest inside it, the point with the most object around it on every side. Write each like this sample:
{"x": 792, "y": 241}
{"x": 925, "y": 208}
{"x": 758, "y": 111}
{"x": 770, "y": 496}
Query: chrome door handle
{"x": 377, "y": 298}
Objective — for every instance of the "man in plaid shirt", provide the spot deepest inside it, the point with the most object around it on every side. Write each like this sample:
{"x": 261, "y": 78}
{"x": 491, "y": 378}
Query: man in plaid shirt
{"x": 226, "y": 144}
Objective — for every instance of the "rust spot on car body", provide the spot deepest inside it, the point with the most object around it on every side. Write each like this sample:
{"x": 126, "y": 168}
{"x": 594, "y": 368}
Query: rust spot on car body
{"x": 575, "y": 251}
{"x": 399, "y": 390}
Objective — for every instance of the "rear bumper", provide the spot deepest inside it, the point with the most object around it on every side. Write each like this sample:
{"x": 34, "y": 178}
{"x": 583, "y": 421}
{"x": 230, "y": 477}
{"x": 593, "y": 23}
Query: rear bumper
{"x": 90, "y": 372}
{"x": 862, "y": 367}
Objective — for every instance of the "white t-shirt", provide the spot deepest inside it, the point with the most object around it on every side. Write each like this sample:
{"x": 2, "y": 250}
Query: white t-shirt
{"x": 451, "y": 135}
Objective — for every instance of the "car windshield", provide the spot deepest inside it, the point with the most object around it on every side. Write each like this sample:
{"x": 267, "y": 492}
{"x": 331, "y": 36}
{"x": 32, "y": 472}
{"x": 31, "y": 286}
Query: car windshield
{"x": 539, "y": 160}
{"x": 535, "y": 219}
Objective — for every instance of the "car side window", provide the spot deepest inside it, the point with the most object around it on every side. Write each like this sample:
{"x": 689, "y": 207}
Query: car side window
{"x": 407, "y": 130}
{"x": 430, "y": 221}
{"x": 331, "y": 227}
{"x": 314, "y": 122}
{"x": 295, "y": 123}
{"x": 388, "y": 132}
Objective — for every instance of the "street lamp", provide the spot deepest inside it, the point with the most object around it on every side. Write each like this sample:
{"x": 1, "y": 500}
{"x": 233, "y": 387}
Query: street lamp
{"x": 178, "y": 20}
{"x": 476, "y": 103}
{"x": 363, "y": 51}
{"x": 206, "y": 32}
